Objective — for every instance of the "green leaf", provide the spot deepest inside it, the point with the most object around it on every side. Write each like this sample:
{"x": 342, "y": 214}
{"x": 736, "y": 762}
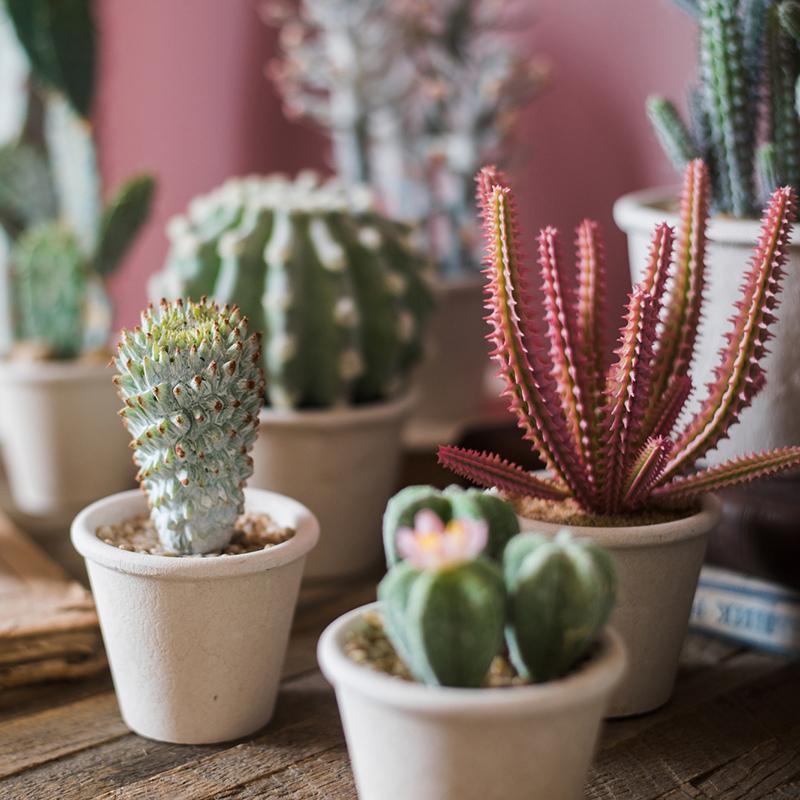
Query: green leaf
{"x": 122, "y": 219}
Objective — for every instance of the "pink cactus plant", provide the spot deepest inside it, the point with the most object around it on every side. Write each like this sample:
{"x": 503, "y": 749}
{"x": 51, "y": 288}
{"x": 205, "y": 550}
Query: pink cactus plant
{"x": 433, "y": 545}
{"x": 613, "y": 440}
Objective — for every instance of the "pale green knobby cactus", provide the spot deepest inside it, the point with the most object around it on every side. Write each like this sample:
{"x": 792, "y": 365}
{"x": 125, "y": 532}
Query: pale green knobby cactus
{"x": 191, "y": 382}
{"x": 338, "y": 292}
{"x": 448, "y": 607}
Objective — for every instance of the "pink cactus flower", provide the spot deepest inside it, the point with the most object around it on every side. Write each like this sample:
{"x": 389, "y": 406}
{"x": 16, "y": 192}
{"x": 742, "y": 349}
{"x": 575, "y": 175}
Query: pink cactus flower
{"x": 433, "y": 545}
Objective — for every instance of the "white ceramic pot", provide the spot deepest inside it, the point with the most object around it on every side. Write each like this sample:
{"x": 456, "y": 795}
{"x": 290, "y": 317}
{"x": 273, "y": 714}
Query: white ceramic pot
{"x": 343, "y": 464}
{"x": 450, "y": 379}
{"x": 195, "y": 645}
{"x": 657, "y": 569}
{"x": 407, "y": 740}
{"x": 772, "y": 420}
{"x": 63, "y": 443}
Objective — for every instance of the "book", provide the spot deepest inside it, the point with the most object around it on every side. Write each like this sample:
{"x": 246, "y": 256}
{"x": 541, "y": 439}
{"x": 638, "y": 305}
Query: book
{"x": 48, "y": 623}
{"x": 749, "y": 610}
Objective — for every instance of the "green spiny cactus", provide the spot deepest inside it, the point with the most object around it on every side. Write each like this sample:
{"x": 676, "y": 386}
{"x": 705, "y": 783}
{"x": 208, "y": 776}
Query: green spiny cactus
{"x": 190, "y": 379}
{"x": 338, "y": 293}
{"x": 444, "y": 607}
{"x": 452, "y": 503}
{"x": 560, "y": 593}
{"x": 748, "y": 82}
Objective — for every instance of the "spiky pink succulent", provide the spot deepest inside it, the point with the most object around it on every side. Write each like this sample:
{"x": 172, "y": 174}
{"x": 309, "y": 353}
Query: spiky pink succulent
{"x": 611, "y": 438}
{"x": 432, "y": 544}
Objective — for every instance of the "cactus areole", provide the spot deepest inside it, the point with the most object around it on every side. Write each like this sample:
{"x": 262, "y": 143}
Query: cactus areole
{"x": 191, "y": 381}
{"x": 614, "y": 440}
{"x": 338, "y": 292}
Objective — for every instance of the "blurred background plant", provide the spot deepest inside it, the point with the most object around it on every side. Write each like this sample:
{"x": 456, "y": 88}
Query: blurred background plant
{"x": 58, "y": 240}
{"x": 416, "y": 95}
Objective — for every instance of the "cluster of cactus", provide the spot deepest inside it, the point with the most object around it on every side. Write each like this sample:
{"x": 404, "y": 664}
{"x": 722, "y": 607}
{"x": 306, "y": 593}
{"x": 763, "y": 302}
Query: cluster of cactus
{"x": 748, "y": 85}
{"x": 336, "y": 289}
{"x": 416, "y": 96}
{"x": 59, "y": 242}
{"x": 614, "y": 440}
{"x": 191, "y": 383}
{"x": 461, "y": 590}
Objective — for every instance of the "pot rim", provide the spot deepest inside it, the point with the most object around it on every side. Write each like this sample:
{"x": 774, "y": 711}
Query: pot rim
{"x": 599, "y": 676}
{"x": 340, "y": 417}
{"x": 125, "y": 504}
{"x": 56, "y": 371}
{"x": 639, "y": 211}
{"x": 632, "y": 536}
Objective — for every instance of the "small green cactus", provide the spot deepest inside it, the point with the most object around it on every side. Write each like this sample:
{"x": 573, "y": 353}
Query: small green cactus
{"x": 337, "y": 291}
{"x": 451, "y": 503}
{"x": 560, "y": 593}
{"x": 748, "y": 79}
{"x": 448, "y": 608}
{"x": 190, "y": 379}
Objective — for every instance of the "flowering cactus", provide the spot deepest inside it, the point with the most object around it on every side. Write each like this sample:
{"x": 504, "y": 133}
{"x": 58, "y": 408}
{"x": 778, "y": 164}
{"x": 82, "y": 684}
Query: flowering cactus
{"x": 190, "y": 379}
{"x": 335, "y": 287}
{"x": 448, "y": 609}
{"x": 452, "y": 503}
{"x": 613, "y": 440}
{"x": 749, "y": 70}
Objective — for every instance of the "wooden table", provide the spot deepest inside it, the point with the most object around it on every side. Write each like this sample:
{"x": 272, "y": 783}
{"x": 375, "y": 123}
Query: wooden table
{"x": 732, "y": 731}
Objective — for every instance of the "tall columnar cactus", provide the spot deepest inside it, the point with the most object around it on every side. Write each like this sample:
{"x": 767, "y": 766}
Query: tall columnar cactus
{"x": 190, "y": 379}
{"x": 748, "y": 82}
{"x": 50, "y": 190}
{"x": 616, "y": 442}
{"x": 560, "y": 593}
{"x": 416, "y": 96}
{"x": 451, "y": 503}
{"x": 338, "y": 292}
{"x": 448, "y": 609}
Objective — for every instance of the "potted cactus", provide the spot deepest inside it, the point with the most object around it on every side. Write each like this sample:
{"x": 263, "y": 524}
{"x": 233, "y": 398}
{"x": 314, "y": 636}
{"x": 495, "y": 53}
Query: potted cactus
{"x": 195, "y": 602}
{"x": 415, "y": 97}
{"x": 341, "y": 300}
{"x": 745, "y": 126}
{"x": 477, "y": 639}
{"x": 58, "y": 246}
{"x": 617, "y": 448}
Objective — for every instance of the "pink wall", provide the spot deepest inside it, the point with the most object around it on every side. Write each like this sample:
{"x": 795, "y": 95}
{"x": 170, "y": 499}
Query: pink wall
{"x": 183, "y": 94}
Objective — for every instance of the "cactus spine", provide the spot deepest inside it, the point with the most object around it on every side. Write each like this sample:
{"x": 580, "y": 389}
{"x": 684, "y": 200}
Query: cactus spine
{"x": 748, "y": 80}
{"x": 191, "y": 383}
{"x": 335, "y": 287}
{"x": 50, "y": 190}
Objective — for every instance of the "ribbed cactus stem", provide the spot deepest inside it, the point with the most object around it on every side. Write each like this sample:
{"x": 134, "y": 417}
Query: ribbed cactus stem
{"x": 671, "y": 131}
{"x": 191, "y": 383}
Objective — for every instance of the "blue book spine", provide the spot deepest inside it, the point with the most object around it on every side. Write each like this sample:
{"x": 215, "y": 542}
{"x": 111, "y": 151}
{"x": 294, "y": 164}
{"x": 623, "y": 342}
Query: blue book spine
{"x": 747, "y": 610}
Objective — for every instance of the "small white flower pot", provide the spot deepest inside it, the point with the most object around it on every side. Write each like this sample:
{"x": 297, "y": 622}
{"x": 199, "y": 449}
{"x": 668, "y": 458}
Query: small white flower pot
{"x": 195, "y": 645}
{"x": 343, "y": 464}
{"x": 657, "y": 570}
{"x": 450, "y": 379}
{"x": 772, "y": 419}
{"x": 63, "y": 443}
{"x": 407, "y": 740}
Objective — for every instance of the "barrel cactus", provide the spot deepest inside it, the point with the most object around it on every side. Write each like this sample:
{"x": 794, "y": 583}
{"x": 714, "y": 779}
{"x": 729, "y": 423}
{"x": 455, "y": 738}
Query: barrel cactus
{"x": 191, "y": 383}
{"x": 560, "y": 593}
{"x": 448, "y": 609}
{"x": 338, "y": 292}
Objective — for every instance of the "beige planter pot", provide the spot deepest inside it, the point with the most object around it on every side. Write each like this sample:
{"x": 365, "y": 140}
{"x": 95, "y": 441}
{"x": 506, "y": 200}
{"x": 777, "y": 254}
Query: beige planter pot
{"x": 772, "y": 420}
{"x": 407, "y": 740}
{"x": 196, "y": 645}
{"x": 63, "y": 443}
{"x": 343, "y": 464}
{"x": 657, "y": 570}
{"x": 450, "y": 380}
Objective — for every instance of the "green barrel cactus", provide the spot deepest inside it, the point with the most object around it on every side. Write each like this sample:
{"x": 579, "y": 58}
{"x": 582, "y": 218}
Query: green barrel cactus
{"x": 560, "y": 593}
{"x": 336, "y": 289}
{"x": 444, "y": 604}
{"x": 450, "y": 503}
{"x": 191, "y": 382}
